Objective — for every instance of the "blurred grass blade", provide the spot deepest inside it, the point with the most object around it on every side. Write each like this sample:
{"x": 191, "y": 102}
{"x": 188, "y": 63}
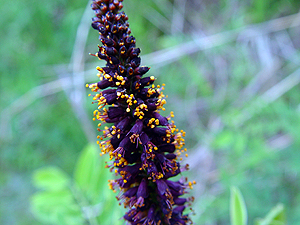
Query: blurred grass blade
{"x": 238, "y": 210}
{"x": 275, "y": 217}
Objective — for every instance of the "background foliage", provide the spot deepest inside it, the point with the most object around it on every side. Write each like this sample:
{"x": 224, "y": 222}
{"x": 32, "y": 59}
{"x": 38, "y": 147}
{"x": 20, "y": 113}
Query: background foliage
{"x": 231, "y": 70}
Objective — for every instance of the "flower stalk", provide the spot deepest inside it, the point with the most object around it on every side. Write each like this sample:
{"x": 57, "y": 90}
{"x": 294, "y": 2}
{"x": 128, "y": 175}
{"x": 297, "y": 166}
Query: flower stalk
{"x": 144, "y": 146}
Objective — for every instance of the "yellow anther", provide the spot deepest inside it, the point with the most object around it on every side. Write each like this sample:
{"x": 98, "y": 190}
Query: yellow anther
{"x": 157, "y": 122}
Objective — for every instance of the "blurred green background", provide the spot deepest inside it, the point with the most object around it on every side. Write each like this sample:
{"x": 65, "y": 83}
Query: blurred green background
{"x": 232, "y": 74}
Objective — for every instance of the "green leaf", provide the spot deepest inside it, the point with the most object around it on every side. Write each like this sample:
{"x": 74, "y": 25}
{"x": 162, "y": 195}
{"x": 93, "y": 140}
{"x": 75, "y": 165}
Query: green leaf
{"x": 90, "y": 174}
{"x": 275, "y": 217}
{"x": 88, "y": 199}
{"x": 51, "y": 198}
{"x": 50, "y": 178}
{"x": 56, "y": 207}
{"x": 85, "y": 167}
{"x": 238, "y": 210}
{"x": 91, "y": 177}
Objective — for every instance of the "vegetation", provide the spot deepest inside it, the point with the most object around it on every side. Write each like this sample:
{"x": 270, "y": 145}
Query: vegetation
{"x": 236, "y": 94}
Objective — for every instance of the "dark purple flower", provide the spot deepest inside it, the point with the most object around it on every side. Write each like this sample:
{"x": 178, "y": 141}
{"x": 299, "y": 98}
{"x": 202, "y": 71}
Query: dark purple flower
{"x": 143, "y": 145}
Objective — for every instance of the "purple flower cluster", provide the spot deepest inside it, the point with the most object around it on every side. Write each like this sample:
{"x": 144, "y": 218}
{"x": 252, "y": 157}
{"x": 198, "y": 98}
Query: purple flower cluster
{"x": 143, "y": 145}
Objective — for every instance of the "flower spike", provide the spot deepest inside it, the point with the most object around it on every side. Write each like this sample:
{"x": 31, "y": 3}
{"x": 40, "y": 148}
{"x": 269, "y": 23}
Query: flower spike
{"x": 143, "y": 145}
